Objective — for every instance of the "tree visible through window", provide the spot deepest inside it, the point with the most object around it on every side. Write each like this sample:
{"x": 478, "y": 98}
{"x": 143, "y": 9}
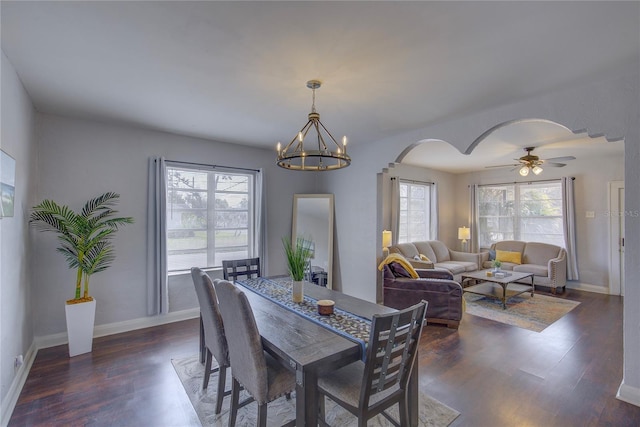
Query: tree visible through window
{"x": 415, "y": 212}
{"x": 210, "y": 217}
{"x": 530, "y": 212}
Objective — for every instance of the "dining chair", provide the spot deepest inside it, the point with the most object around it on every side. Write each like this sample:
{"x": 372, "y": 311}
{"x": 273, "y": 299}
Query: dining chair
{"x": 239, "y": 269}
{"x": 369, "y": 388}
{"x": 262, "y": 376}
{"x": 212, "y": 329}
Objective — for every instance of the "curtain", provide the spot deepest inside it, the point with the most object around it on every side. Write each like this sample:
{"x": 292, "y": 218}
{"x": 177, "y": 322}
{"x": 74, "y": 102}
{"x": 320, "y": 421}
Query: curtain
{"x": 473, "y": 218}
{"x": 569, "y": 225}
{"x": 395, "y": 209}
{"x": 260, "y": 238}
{"x": 433, "y": 207}
{"x": 157, "y": 280}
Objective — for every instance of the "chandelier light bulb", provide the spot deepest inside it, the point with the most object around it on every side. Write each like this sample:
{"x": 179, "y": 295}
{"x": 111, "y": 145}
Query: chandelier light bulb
{"x": 524, "y": 171}
{"x": 278, "y": 147}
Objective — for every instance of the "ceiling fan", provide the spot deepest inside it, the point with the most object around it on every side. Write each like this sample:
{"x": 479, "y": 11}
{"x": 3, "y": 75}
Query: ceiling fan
{"x": 531, "y": 162}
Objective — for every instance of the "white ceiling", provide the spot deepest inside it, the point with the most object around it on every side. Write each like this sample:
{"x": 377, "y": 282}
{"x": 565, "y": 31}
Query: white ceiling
{"x": 236, "y": 71}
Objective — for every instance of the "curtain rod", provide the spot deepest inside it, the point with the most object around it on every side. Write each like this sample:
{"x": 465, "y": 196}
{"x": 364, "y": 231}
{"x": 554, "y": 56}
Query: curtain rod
{"x": 412, "y": 181}
{"x": 177, "y": 162}
{"x": 573, "y": 178}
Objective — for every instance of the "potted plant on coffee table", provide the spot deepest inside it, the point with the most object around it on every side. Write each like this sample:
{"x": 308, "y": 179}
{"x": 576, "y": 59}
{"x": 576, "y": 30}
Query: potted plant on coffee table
{"x": 496, "y": 265}
{"x": 86, "y": 242}
{"x": 298, "y": 256}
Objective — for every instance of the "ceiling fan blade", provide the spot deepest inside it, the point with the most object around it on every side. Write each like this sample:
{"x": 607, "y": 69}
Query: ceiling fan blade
{"x": 554, "y": 165}
{"x": 500, "y": 166}
{"x": 560, "y": 159}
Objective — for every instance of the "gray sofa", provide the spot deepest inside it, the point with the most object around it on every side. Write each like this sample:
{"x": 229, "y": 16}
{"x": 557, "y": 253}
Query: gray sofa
{"x": 547, "y": 262}
{"x": 440, "y": 255}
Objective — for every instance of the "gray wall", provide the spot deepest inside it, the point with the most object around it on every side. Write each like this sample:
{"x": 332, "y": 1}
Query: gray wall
{"x": 79, "y": 159}
{"x": 607, "y": 104}
{"x": 18, "y": 140}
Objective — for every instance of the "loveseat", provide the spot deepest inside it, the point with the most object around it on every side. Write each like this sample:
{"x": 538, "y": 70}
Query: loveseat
{"x": 547, "y": 262}
{"x": 435, "y": 286}
{"x": 439, "y": 256}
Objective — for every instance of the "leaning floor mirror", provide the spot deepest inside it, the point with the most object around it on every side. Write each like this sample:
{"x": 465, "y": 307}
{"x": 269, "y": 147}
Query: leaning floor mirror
{"x": 313, "y": 220}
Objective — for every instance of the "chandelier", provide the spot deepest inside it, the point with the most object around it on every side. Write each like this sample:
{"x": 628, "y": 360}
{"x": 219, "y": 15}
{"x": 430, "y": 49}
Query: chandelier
{"x": 323, "y": 151}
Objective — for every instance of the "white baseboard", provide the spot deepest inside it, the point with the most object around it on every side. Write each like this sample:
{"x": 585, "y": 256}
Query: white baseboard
{"x": 587, "y": 287}
{"x": 9, "y": 402}
{"x": 119, "y": 327}
{"x": 628, "y": 394}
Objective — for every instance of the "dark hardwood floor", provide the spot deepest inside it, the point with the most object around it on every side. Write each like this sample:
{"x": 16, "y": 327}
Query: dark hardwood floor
{"x": 495, "y": 375}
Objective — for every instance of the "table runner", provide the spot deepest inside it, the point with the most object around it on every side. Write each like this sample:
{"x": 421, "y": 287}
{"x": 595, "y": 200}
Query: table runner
{"x": 278, "y": 290}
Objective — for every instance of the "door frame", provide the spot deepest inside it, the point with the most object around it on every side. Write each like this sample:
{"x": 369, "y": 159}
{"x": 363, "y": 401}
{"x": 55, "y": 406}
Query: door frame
{"x": 616, "y": 234}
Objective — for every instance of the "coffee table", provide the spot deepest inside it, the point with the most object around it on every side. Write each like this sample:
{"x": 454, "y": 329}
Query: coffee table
{"x": 501, "y": 288}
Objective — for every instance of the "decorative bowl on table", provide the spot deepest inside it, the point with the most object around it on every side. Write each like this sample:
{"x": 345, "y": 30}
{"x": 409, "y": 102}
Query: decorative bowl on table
{"x": 325, "y": 307}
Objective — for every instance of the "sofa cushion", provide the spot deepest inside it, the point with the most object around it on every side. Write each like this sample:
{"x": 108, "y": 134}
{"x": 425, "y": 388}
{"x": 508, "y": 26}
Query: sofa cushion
{"x": 492, "y": 254}
{"x": 510, "y": 245}
{"x": 452, "y": 266}
{"x": 424, "y": 248}
{"x": 440, "y": 250}
{"x": 408, "y": 250}
{"x": 509, "y": 256}
{"x": 398, "y": 270}
{"x": 537, "y": 270}
{"x": 540, "y": 253}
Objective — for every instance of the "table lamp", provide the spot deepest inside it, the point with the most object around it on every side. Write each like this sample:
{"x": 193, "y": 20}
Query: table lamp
{"x": 386, "y": 242}
{"x": 464, "y": 233}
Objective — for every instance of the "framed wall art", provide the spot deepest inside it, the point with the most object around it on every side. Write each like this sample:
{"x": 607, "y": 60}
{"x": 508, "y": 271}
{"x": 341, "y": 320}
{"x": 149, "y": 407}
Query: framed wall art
{"x": 7, "y": 184}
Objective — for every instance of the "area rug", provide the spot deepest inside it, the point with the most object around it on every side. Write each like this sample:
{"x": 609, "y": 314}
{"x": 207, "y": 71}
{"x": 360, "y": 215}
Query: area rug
{"x": 532, "y": 313}
{"x": 191, "y": 371}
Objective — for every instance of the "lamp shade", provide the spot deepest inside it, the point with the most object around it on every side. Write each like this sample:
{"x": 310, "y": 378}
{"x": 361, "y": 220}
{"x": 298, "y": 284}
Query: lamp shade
{"x": 386, "y": 238}
{"x": 464, "y": 233}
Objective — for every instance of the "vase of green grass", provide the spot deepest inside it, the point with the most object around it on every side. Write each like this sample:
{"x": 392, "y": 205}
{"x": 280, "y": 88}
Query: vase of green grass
{"x": 496, "y": 265}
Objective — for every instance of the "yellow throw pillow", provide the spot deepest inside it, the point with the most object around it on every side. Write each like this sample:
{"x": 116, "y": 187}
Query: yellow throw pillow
{"x": 508, "y": 256}
{"x": 425, "y": 258}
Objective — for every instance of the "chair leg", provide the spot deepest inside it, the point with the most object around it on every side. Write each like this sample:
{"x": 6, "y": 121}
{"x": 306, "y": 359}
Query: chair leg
{"x": 262, "y": 415}
{"x": 288, "y": 396}
{"x": 207, "y": 369}
{"x": 403, "y": 409}
{"x": 321, "y": 410}
{"x": 203, "y": 349}
{"x": 222, "y": 377}
{"x": 235, "y": 396}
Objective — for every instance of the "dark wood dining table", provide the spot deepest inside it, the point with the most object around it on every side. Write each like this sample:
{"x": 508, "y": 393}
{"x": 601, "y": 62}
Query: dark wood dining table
{"x": 310, "y": 349}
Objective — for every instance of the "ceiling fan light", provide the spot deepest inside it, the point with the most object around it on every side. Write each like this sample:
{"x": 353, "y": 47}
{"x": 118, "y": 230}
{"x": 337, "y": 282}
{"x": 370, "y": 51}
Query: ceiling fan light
{"x": 524, "y": 171}
{"x": 537, "y": 170}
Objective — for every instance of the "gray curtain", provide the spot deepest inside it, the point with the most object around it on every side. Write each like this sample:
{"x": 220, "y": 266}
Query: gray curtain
{"x": 157, "y": 280}
{"x": 473, "y": 218}
{"x": 259, "y": 249}
{"x": 569, "y": 223}
{"x": 395, "y": 209}
{"x": 433, "y": 226}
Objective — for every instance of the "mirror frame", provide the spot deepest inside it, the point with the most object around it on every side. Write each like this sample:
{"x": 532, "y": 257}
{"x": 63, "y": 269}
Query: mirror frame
{"x": 294, "y": 226}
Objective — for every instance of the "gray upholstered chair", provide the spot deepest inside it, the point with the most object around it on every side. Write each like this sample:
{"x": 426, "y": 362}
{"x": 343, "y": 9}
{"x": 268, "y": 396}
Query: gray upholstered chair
{"x": 368, "y": 389}
{"x": 212, "y": 329}
{"x": 238, "y": 269}
{"x": 262, "y": 376}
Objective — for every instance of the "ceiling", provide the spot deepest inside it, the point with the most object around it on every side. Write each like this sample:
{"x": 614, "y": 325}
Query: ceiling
{"x": 236, "y": 71}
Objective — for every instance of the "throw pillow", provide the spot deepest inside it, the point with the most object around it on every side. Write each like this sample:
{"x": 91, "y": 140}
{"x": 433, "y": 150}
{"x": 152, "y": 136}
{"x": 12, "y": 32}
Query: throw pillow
{"x": 424, "y": 258}
{"x": 398, "y": 270}
{"x": 508, "y": 256}
{"x": 492, "y": 254}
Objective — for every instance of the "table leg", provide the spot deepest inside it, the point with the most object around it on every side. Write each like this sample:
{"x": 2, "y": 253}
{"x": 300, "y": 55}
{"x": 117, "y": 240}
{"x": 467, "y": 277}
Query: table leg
{"x": 533, "y": 286}
{"x": 504, "y": 296}
{"x": 306, "y": 398}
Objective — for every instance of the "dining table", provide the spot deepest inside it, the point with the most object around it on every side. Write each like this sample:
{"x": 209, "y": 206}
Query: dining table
{"x": 310, "y": 348}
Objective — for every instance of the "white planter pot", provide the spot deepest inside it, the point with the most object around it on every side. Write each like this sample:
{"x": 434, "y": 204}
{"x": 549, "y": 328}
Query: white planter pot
{"x": 297, "y": 290}
{"x": 80, "y": 321}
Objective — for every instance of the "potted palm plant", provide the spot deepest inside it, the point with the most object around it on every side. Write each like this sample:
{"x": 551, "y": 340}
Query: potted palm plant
{"x": 298, "y": 256}
{"x": 86, "y": 242}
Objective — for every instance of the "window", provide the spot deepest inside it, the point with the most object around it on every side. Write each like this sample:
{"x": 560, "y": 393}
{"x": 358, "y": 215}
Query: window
{"x": 415, "y": 212}
{"x": 528, "y": 211}
{"x": 210, "y": 216}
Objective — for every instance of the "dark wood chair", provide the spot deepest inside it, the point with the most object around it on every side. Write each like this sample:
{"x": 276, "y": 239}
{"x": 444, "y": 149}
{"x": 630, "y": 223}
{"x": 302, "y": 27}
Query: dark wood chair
{"x": 262, "y": 376}
{"x": 212, "y": 330}
{"x": 239, "y": 269}
{"x": 369, "y": 388}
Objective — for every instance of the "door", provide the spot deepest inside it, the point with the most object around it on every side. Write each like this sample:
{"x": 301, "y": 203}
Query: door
{"x": 616, "y": 237}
